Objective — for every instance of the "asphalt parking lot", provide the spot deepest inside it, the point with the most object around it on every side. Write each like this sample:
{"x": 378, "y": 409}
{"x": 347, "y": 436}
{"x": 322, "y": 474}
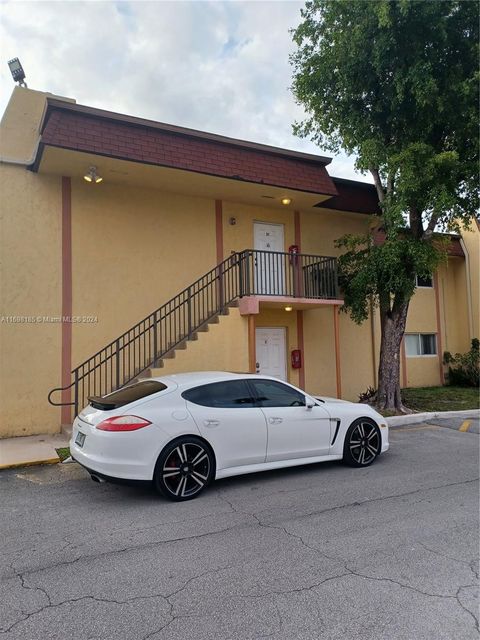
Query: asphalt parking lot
{"x": 324, "y": 551}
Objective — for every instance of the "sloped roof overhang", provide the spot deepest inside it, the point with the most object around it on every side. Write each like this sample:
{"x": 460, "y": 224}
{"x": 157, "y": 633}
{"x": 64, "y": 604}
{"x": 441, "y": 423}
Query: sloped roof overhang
{"x": 104, "y": 133}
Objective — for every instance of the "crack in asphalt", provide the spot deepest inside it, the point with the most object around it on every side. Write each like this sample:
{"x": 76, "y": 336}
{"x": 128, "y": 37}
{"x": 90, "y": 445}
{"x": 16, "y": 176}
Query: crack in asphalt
{"x": 166, "y": 597}
{"x": 139, "y": 547}
{"x": 359, "y": 503}
{"x": 352, "y": 572}
{"x": 457, "y": 596}
{"x": 347, "y": 570}
{"x": 471, "y": 565}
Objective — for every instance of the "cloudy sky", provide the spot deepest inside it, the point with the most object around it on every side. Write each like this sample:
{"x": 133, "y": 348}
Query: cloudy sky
{"x": 216, "y": 66}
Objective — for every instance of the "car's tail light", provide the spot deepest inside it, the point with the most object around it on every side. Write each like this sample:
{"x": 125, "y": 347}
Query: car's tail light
{"x": 123, "y": 423}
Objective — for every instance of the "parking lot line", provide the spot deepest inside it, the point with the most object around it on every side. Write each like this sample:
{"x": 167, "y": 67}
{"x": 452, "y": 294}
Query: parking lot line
{"x": 465, "y": 425}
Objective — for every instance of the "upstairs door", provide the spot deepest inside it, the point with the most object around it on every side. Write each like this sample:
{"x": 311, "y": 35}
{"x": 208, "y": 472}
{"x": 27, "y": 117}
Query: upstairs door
{"x": 269, "y": 267}
{"x": 271, "y": 352}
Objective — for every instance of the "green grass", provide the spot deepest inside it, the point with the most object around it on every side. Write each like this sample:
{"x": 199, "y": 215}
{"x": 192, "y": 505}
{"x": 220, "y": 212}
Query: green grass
{"x": 441, "y": 398}
{"x": 63, "y": 453}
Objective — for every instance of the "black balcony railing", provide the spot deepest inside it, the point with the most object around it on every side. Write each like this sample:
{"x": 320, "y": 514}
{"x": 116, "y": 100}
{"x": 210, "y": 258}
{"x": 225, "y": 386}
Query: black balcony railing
{"x": 250, "y": 272}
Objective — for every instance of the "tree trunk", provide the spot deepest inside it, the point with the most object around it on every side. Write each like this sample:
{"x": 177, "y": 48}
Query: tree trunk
{"x": 393, "y": 327}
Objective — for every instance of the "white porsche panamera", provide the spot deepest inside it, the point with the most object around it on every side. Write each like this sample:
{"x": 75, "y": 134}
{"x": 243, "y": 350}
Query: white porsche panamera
{"x": 183, "y": 431}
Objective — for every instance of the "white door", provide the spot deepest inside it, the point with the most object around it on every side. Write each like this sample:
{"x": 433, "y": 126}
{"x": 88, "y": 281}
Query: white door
{"x": 271, "y": 352}
{"x": 269, "y": 267}
{"x": 226, "y": 416}
{"x": 294, "y": 430}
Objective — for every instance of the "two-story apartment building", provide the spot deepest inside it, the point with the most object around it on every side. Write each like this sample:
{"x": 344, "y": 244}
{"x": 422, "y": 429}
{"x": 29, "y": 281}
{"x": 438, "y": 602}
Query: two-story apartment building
{"x": 131, "y": 248}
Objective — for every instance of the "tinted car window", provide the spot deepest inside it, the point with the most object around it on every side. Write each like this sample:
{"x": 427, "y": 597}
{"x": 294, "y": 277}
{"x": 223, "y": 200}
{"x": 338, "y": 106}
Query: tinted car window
{"x": 275, "y": 394}
{"x": 126, "y": 395}
{"x": 233, "y": 394}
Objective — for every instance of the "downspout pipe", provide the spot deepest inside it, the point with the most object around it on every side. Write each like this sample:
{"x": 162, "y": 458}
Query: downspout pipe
{"x": 469, "y": 288}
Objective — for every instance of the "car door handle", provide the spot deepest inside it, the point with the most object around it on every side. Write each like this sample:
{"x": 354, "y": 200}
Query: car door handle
{"x": 211, "y": 423}
{"x": 275, "y": 420}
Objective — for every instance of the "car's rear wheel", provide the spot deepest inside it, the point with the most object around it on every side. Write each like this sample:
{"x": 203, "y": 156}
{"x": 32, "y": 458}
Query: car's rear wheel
{"x": 362, "y": 443}
{"x": 184, "y": 469}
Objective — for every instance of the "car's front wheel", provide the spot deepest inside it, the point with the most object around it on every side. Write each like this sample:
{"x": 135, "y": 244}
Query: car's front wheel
{"x": 362, "y": 443}
{"x": 184, "y": 468}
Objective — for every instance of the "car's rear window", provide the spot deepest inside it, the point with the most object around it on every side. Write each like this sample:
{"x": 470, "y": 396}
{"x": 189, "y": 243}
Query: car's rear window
{"x": 126, "y": 395}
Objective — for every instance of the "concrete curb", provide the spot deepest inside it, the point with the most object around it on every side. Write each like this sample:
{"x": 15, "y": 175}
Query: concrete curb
{"x": 29, "y": 463}
{"x": 416, "y": 418}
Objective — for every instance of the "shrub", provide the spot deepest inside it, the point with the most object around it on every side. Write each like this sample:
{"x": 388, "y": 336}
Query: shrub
{"x": 370, "y": 395}
{"x": 464, "y": 368}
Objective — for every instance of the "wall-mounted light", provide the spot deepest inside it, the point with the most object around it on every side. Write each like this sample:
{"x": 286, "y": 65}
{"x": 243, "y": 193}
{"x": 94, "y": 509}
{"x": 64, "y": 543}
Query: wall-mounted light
{"x": 232, "y": 221}
{"x": 16, "y": 69}
{"x": 286, "y": 201}
{"x": 92, "y": 175}
{"x": 289, "y": 308}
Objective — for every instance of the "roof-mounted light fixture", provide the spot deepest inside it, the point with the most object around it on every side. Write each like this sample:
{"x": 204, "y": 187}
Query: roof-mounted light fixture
{"x": 92, "y": 175}
{"x": 286, "y": 201}
{"x": 16, "y": 69}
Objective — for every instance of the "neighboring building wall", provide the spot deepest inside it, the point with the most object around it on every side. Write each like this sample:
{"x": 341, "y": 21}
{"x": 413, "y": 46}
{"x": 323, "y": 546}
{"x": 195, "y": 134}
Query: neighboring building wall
{"x": 471, "y": 244}
{"x": 453, "y": 306}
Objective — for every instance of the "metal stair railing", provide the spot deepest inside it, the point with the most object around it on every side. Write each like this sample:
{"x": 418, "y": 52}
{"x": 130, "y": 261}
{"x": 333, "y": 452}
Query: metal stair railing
{"x": 249, "y": 272}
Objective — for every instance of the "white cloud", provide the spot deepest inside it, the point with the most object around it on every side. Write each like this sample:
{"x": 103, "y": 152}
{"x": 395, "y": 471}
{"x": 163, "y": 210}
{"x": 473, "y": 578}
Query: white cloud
{"x": 215, "y": 66}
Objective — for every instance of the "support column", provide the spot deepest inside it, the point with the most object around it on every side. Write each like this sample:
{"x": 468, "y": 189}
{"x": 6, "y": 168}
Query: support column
{"x": 66, "y": 412}
{"x": 336, "y": 328}
{"x": 219, "y": 230}
{"x": 436, "y": 284}
{"x": 301, "y": 346}
{"x": 252, "y": 356}
{"x": 404, "y": 363}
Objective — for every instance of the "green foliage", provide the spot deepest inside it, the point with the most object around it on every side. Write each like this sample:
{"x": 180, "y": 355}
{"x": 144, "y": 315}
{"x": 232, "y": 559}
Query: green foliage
{"x": 382, "y": 273}
{"x": 369, "y": 395}
{"x": 464, "y": 369}
{"x": 396, "y": 83}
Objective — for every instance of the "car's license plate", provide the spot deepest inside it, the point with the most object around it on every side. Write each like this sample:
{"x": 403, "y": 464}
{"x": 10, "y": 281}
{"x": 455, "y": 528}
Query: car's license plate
{"x": 80, "y": 439}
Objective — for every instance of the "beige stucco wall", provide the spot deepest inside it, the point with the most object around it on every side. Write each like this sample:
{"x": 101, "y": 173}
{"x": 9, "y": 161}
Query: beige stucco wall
{"x": 133, "y": 250}
{"x": 30, "y": 286}
{"x": 319, "y": 339}
{"x": 357, "y": 367}
{"x": 320, "y": 229}
{"x": 19, "y": 127}
{"x": 422, "y": 316}
{"x": 422, "y": 371}
{"x": 453, "y": 306}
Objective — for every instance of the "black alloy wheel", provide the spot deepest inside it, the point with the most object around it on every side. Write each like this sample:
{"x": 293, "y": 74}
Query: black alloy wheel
{"x": 362, "y": 443}
{"x": 184, "y": 468}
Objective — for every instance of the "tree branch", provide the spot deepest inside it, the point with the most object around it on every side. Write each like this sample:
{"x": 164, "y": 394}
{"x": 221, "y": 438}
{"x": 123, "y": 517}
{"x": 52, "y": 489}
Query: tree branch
{"x": 416, "y": 222}
{"x": 390, "y": 183}
{"x": 432, "y": 224}
{"x": 378, "y": 183}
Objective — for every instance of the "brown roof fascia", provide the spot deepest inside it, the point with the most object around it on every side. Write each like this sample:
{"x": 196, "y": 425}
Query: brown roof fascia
{"x": 52, "y": 104}
{"x": 353, "y": 196}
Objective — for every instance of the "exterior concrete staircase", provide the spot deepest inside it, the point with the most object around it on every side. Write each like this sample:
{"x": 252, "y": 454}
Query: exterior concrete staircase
{"x": 158, "y": 338}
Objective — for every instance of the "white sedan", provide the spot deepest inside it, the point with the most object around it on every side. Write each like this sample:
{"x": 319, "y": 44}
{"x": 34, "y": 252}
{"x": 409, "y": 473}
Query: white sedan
{"x": 183, "y": 431}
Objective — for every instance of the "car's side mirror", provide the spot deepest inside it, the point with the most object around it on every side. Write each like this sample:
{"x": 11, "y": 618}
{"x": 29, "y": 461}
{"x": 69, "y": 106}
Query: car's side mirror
{"x": 309, "y": 403}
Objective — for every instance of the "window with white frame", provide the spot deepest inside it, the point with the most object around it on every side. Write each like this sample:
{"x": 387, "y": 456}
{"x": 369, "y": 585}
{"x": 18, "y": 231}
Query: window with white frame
{"x": 420, "y": 344}
{"x": 424, "y": 281}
